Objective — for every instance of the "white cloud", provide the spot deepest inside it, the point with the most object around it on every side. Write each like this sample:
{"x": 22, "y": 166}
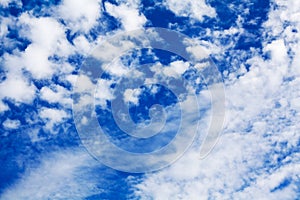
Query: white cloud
{"x": 56, "y": 94}
{"x": 11, "y": 124}
{"x": 84, "y": 84}
{"x": 3, "y": 106}
{"x": 52, "y": 117}
{"x": 200, "y": 49}
{"x": 80, "y": 15}
{"x": 190, "y": 8}
{"x": 5, "y": 3}
{"x": 17, "y": 88}
{"x": 128, "y": 14}
{"x": 103, "y": 92}
{"x": 176, "y": 69}
{"x": 4, "y": 26}
{"x": 116, "y": 68}
{"x": 278, "y": 51}
{"x": 295, "y": 103}
{"x": 61, "y": 175}
{"x": 48, "y": 38}
{"x": 46, "y": 32}
{"x": 132, "y": 95}
{"x": 36, "y": 61}
{"x": 270, "y": 182}
{"x": 82, "y": 44}
{"x": 222, "y": 175}
{"x": 110, "y": 50}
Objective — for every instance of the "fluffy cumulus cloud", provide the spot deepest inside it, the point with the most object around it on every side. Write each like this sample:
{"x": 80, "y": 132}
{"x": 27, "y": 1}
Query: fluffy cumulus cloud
{"x": 11, "y": 124}
{"x": 3, "y": 107}
{"x": 191, "y": 8}
{"x": 80, "y": 15}
{"x": 132, "y": 95}
{"x": 128, "y": 13}
{"x": 56, "y": 94}
{"x": 18, "y": 88}
{"x": 48, "y": 38}
{"x": 52, "y": 117}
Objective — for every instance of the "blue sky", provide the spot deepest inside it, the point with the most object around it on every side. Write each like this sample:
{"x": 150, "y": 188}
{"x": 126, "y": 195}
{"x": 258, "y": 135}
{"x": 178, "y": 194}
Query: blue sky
{"x": 254, "y": 45}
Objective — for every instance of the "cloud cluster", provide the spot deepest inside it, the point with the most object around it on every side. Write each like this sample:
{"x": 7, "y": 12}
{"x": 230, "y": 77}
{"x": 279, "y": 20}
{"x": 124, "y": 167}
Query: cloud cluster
{"x": 257, "y": 155}
{"x": 191, "y": 8}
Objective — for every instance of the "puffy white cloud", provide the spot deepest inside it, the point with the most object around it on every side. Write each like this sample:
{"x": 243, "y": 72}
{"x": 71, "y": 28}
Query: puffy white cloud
{"x": 52, "y": 117}
{"x": 176, "y": 68}
{"x": 109, "y": 51}
{"x": 36, "y": 61}
{"x": 11, "y": 124}
{"x": 17, "y": 88}
{"x": 190, "y": 8}
{"x": 3, "y": 106}
{"x": 132, "y": 95}
{"x": 103, "y": 92}
{"x": 56, "y": 94}
{"x": 4, "y": 26}
{"x": 128, "y": 14}
{"x": 5, "y": 3}
{"x": 48, "y": 38}
{"x": 278, "y": 51}
{"x": 84, "y": 84}
{"x": 80, "y": 15}
{"x": 82, "y": 45}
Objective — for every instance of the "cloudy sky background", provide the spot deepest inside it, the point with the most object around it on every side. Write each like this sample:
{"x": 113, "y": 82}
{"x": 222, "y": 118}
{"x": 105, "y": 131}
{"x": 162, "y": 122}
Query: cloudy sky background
{"x": 256, "y": 46}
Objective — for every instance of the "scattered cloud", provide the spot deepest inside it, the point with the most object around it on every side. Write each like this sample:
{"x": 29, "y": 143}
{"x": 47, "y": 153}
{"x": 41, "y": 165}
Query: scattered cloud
{"x": 78, "y": 15}
{"x": 52, "y": 116}
{"x": 128, "y": 13}
{"x": 190, "y": 8}
{"x": 257, "y": 154}
{"x": 11, "y": 124}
